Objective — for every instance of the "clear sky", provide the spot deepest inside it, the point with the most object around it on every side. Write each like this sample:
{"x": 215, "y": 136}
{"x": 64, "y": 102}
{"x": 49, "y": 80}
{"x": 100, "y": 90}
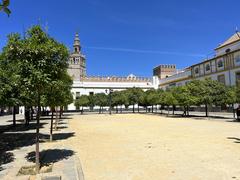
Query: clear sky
{"x": 130, "y": 36}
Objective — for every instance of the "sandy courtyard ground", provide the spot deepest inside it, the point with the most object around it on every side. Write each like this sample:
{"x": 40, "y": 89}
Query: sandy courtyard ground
{"x": 148, "y": 147}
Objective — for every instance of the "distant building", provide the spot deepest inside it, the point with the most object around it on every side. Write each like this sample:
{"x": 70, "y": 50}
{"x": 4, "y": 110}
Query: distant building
{"x": 89, "y": 85}
{"x": 164, "y": 70}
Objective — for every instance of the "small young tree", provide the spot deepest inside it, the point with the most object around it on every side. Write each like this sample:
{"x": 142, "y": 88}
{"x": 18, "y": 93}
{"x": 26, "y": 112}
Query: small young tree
{"x": 152, "y": 98}
{"x": 169, "y": 99}
{"x": 101, "y": 100}
{"x": 40, "y": 59}
{"x": 82, "y": 101}
{"x": 134, "y": 95}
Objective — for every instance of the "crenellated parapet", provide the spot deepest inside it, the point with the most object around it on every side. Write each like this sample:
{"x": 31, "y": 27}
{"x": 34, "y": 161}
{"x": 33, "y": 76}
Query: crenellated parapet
{"x": 114, "y": 79}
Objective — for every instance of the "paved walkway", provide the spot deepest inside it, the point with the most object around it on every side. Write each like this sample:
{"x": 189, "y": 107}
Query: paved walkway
{"x": 21, "y": 144}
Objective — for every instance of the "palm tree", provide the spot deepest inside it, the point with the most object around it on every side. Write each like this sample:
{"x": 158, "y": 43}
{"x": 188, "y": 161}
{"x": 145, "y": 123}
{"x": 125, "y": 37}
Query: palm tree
{"x": 4, "y": 7}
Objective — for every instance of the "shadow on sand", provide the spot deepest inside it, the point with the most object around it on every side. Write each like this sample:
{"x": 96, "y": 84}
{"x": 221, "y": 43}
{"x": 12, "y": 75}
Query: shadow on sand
{"x": 50, "y": 156}
{"x": 237, "y": 140}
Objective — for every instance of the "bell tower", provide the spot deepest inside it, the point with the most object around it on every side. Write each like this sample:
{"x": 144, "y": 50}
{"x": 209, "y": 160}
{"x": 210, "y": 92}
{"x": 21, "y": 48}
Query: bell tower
{"x": 77, "y": 61}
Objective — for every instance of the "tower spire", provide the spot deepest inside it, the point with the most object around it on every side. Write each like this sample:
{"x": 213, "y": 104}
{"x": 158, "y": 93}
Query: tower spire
{"x": 76, "y": 45}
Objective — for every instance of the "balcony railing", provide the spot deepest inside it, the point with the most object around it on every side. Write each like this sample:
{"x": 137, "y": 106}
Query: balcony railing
{"x": 179, "y": 75}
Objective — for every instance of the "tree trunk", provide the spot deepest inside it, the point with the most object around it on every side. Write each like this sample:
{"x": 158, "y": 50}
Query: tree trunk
{"x": 234, "y": 115}
{"x": 51, "y": 126}
{"x": 32, "y": 112}
{"x": 99, "y": 112}
{"x": 14, "y": 115}
{"x": 206, "y": 110}
{"x": 152, "y": 108}
{"x": 138, "y": 108}
{"x": 60, "y": 113}
{"x": 133, "y": 109}
{"x": 82, "y": 110}
{"x": 37, "y": 135}
{"x": 184, "y": 111}
{"x": 173, "y": 109}
{"x": 56, "y": 119}
{"x": 27, "y": 115}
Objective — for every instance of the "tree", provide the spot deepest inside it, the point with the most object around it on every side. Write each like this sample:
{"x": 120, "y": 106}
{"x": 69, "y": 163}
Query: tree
{"x": 39, "y": 59}
{"x": 10, "y": 79}
{"x": 202, "y": 92}
{"x": 184, "y": 97}
{"x": 58, "y": 95}
{"x": 134, "y": 95}
{"x": 4, "y": 7}
{"x": 101, "y": 100}
{"x": 152, "y": 98}
{"x": 82, "y": 101}
{"x": 169, "y": 99}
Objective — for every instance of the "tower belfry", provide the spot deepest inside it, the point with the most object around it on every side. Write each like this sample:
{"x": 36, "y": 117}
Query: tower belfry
{"x": 77, "y": 61}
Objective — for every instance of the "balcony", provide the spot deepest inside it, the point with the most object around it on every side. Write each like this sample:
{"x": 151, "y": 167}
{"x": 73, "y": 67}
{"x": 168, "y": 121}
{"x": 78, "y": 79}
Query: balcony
{"x": 178, "y": 76}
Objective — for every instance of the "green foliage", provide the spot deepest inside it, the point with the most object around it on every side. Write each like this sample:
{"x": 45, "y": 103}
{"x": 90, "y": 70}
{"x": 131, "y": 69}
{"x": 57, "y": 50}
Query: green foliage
{"x": 101, "y": 99}
{"x": 4, "y": 7}
{"x": 134, "y": 95}
{"x": 238, "y": 94}
{"x": 33, "y": 66}
{"x": 151, "y": 97}
{"x": 82, "y": 101}
{"x": 169, "y": 98}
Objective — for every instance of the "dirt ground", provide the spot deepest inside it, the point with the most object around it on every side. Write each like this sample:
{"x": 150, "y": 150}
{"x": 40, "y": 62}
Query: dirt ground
{"x": 151, "y": 147}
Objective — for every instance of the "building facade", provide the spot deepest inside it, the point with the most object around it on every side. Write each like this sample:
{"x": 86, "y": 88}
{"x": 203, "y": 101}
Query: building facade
{"x": 223, "y": 67}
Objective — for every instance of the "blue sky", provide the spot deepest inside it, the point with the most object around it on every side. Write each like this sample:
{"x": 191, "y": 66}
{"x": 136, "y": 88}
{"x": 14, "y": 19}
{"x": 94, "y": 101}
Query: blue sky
{"x": 130, "y": 36}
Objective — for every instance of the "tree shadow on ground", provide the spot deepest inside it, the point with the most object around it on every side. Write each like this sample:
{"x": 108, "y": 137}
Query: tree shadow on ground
{"x": 237, "y": 140}
{"x": 50, "y": 156}
{"x": 61, "y": 127}
{"x": 14, "y": 140}
{"x": 195, "y": 117}
{"x": 5, "y": 158}
{"x": 59, "y": 136}
{"x": 19, "y": 127}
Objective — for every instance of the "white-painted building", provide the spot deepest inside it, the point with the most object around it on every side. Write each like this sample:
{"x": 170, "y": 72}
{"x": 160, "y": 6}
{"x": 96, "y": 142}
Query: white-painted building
{"x": 86, "y": 85}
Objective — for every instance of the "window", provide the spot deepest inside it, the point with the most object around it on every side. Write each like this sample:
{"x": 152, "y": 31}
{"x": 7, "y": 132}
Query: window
{"x": 91, "y": 93}
{"x": 221, "y": 78}
{"x": 196, "y": 70}
{"x": 238, "y": 78}
{"x": 207, "y": 67}
{"x": 237, "y": 59}
{"x": 228, "y": 50}
{"x": 77, "y": 95}
{"x": 220, "y": 64}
